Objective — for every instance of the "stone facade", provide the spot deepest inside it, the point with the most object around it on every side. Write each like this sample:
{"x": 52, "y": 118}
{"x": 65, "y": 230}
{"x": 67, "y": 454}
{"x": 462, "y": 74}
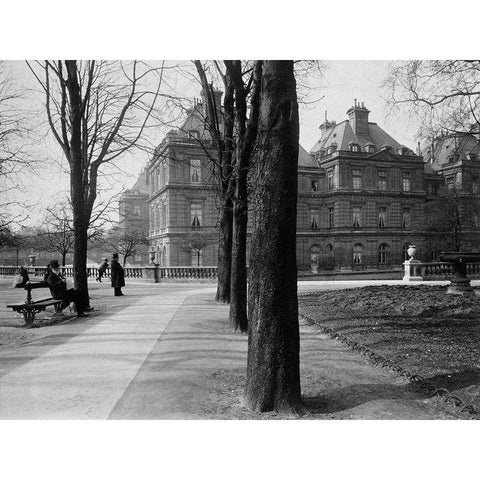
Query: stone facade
{"x": 182, "y": 202}
{"x": 134, "y": 217}
{"x": 361, "y": 197}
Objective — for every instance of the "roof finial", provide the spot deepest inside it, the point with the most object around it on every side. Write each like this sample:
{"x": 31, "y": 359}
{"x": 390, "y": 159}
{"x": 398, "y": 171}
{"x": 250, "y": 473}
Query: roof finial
{"x": 355, "y": 102}
{"x": 326, "y": 116}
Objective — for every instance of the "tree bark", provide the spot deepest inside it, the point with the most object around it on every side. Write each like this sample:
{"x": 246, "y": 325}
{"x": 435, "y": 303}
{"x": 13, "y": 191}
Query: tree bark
{"x": 80, "y": 215}
{"x": 246, "y": 137}
{"x": 224, "y": 267}
{"x": 273, "y": 366}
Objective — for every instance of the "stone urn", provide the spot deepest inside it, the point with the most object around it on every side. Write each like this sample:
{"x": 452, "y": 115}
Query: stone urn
{"x": 412, "y": 250}
{"x": 460, "y": 283}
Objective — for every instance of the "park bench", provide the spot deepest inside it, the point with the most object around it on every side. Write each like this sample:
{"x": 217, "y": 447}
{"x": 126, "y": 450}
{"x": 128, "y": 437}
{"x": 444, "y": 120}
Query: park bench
{"x": 30, "y": 308}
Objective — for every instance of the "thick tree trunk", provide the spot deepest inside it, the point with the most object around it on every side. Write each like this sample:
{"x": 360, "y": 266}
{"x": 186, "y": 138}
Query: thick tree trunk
{"x": 64, "y": 258}
{"x": 224, "y": 267}
{"x": 77, "y": 184}
{"x": 273, "y": 373}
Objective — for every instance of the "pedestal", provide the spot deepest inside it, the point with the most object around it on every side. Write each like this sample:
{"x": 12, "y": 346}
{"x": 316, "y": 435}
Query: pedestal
{"x": 412, "y": 271}
{"x": 152, "y": 274}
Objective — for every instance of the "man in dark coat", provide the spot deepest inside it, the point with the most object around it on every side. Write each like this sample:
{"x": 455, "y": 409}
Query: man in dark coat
{"x": 58, "y": 288}
{"x": 117, "y": 275}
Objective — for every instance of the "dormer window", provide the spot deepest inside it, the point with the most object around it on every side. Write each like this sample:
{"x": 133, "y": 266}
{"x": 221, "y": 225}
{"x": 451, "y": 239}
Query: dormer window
{"x": 472, "y": 156}
{"x": 194, "y": 134}
{"x": 354, "y": 147}
{"x": 370, "y": 148}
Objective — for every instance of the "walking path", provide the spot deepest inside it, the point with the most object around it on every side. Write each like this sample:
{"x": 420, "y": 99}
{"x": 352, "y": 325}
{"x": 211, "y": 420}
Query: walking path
{"x": 165, "y": 351}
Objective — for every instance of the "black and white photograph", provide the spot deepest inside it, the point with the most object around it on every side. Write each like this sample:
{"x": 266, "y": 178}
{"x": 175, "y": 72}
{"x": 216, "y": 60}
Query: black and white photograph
{"x": 209, "y": 259}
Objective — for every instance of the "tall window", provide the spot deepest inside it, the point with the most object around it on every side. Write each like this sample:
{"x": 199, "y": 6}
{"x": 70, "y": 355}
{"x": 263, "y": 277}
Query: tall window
{"x": 382, "y": 253}
{"x": 314, "y": 219}
{"x": 475, "y": 188}
{"x": 164, "y": 216}
{"x": 330, "y": 179}
{"x": 357, "y": 179}
{"x": 136, "y": 210}
{"x": 382, "y": 217}
{"x": 331, "y": 217}
{"x": 196, "y": 214}
{"x": 357, "y": 254}
{"x": 195, "y": 171}
{"x": 314, "y": 185}
{"x": 382, "y": 180}
{"x": 407, "y": 182}
{"x": 406, "y": 218}
{"x": 329, "y": 251}
{"x": 357, "y": 216}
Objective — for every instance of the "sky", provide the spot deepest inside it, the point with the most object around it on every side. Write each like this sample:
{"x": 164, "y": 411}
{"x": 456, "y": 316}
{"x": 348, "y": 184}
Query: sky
{"x": 331, "y": 94}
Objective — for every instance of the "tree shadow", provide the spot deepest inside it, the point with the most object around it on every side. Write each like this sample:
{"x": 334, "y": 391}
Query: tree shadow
{"x": 456, "y": 380}
{"x": 352, "y": 396}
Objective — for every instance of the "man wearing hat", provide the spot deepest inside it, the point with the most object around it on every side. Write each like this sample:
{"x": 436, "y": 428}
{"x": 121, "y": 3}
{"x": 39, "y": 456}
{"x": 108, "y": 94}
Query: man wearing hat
{"x": 117, "y": 275}
{"x": 58, "y": 288}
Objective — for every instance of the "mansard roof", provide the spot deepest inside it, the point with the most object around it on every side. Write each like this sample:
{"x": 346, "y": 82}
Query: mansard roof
{"x": 305, "y": 159}
{"x": 459, "y": 145}
{"x": 342, "y": 134}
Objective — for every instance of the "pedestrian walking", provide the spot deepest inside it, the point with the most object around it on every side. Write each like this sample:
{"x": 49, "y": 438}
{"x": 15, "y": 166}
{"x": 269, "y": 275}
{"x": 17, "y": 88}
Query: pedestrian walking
{"x": 101, "y": 270}
{"x": 117, "y": 275}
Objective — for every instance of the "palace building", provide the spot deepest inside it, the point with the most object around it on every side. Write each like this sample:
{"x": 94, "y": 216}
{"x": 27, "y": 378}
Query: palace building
{"x": 361, "y": 196}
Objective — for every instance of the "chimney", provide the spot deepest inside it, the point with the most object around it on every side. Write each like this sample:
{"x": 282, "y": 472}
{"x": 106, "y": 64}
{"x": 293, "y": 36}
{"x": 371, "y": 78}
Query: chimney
{"x": 358, "y": 118}
{"x": 326, "y": 125}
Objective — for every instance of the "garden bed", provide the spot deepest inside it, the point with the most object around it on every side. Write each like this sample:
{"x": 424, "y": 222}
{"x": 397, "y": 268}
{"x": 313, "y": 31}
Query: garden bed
{"x": 420, "y": 328}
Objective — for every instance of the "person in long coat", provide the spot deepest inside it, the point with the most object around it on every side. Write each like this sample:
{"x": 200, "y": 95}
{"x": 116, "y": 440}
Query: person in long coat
{"x": 58, "y": 288}
{"x": 117, "y": 275}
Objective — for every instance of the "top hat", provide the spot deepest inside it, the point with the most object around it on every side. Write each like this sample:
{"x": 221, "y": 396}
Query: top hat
{"x": 115, "y": 255}
{"x": 54, "y": 264}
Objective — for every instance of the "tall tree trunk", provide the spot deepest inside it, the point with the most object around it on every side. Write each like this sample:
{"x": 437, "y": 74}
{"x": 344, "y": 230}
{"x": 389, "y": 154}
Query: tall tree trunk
{"x": 77, "y": 184}
{"x": 224, "y": 267}
{"x": 246, "y": 138}
{"x": 238, "y": 284}
{"x": 64, "y": 258}
{"x": 273, "y": 365}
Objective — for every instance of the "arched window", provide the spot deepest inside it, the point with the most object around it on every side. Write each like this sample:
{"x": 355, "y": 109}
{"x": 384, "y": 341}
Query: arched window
{"x": 382, "y": 253}
{"x": 329, "y": 251}
{"x": 358, "y": 254}
{"x": 314, "y": 257}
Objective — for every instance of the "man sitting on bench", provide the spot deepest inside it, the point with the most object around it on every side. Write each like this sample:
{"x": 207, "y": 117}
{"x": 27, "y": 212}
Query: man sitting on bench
{"x": 58, "y": 288}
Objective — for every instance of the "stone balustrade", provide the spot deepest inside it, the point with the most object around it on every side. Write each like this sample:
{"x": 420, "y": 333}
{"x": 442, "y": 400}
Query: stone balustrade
{"x": 149, "y": 273}
{"x": 418, "y": 271}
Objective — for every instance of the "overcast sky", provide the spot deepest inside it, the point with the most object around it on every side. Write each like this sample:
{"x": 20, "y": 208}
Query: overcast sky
{"x": 334, "y": 92}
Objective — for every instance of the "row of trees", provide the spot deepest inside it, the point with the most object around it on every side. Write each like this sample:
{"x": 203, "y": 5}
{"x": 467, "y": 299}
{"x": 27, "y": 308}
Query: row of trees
{"x": 97, "y": 111}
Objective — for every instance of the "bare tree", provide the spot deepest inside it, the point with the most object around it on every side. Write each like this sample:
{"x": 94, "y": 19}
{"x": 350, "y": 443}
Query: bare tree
{"x": 127, "y": 242}
{"x": 57, "y": 234}
{"x": 452, "y": 220}
{"x": 273, "y": 376}
{"x": 15, "y": 139}
{"x": 195, "y": 243}
{"x": 96, "y": 111}
{"x": 443, "y": 94}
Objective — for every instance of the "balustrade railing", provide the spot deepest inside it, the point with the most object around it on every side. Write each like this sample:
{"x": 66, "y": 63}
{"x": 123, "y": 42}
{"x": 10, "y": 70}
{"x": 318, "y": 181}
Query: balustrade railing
{"x": 150, "y": 272}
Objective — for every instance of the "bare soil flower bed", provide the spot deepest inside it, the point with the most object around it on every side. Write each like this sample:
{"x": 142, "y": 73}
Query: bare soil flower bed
{"x": 418, "y": 327}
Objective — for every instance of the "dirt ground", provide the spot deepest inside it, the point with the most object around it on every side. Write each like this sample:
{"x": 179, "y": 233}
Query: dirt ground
{"x": 420, "y": 328}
